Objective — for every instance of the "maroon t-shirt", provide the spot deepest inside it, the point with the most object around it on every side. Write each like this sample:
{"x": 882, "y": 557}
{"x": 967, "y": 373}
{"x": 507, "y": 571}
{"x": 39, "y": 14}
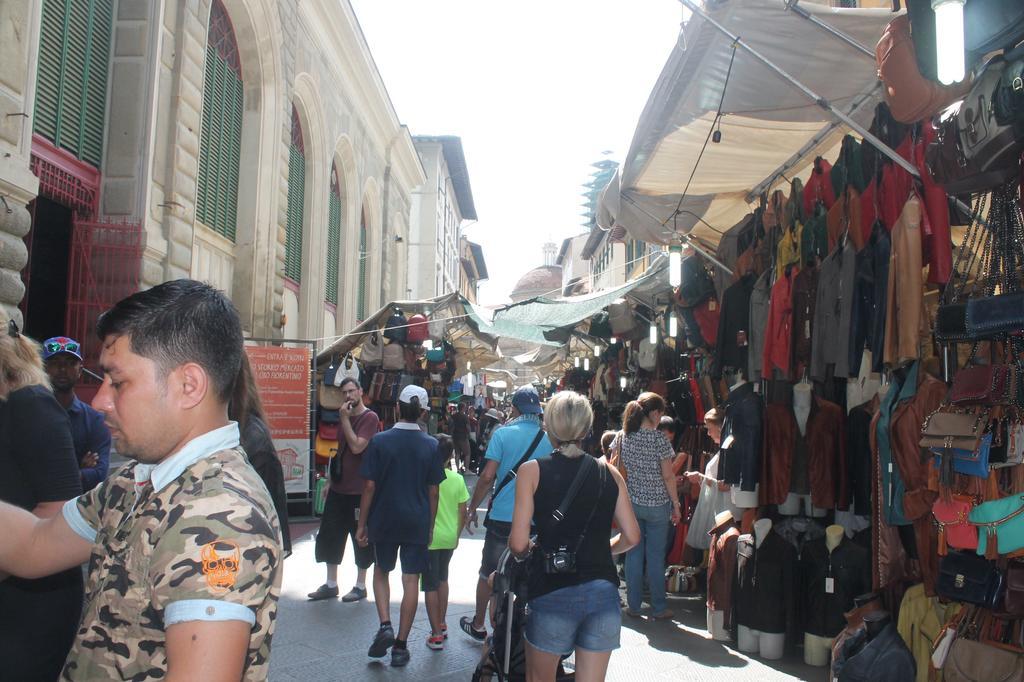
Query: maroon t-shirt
{"x": 365, "y": 426}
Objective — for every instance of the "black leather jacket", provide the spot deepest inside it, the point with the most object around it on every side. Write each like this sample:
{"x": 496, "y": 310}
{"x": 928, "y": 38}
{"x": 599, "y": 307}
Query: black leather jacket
{"x": 766, "y": 591}
{"x": 742, "y": 437}
{"x": 849, "y": 567}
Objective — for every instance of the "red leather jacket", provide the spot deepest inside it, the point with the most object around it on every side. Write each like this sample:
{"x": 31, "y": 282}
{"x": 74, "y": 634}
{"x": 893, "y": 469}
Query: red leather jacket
{"x": 778, "y": 333}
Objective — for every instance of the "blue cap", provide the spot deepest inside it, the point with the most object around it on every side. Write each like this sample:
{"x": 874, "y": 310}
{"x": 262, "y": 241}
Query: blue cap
{"x": 526, "y": 400}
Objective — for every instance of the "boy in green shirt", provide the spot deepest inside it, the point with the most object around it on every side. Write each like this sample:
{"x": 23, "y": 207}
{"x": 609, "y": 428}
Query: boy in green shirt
{"x": 451, "y": 515}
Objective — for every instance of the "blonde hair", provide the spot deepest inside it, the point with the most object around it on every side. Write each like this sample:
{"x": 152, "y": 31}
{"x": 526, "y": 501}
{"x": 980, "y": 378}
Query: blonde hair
{"x": 21, "y": 363}
{"x": 567, "y": 418}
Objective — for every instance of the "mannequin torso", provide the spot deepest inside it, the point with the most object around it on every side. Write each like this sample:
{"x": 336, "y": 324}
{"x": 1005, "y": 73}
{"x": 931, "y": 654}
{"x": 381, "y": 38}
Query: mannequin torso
{"x": 802, "y": 405}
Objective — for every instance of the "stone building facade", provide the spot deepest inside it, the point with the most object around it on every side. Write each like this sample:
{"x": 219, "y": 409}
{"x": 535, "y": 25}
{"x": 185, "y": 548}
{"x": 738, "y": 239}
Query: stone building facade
{"x": 247, "y": 143}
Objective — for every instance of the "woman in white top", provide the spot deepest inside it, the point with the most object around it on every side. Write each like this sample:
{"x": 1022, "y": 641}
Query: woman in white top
{"x": 714, "y": 495}
{"x": 647, "y": 457}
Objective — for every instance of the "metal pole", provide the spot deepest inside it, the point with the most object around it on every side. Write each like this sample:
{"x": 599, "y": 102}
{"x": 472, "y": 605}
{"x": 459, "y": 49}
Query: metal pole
{"x": 818, "y": 99}
{"x": 792, "y": 5}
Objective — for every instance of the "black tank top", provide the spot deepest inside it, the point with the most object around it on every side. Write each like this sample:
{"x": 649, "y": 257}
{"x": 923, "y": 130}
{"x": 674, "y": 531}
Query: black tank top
{"x": 594, "y": 557}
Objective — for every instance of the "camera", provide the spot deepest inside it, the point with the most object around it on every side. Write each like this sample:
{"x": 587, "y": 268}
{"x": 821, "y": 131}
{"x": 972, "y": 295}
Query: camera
{"x": 560, "y": 561}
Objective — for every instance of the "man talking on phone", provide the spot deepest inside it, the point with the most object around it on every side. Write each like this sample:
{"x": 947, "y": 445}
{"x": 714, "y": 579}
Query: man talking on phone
{"x": 341, "y": 510}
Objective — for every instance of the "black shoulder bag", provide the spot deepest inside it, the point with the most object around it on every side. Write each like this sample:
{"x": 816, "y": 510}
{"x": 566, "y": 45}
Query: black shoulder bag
{"x": 563, "y": 560}
{"x": 511, "y": 475}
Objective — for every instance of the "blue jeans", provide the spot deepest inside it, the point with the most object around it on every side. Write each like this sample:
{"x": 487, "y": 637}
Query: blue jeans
{"x": 583, "y": 616}
{"x": 654, "y": 523}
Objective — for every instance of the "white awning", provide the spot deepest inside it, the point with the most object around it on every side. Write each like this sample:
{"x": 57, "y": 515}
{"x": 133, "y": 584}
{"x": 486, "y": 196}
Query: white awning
{"x": 770, "y": 127}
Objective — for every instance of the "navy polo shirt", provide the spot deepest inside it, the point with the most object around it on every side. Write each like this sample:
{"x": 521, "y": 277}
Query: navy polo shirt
{"x": 403, "y": 463}
{"x": 90, "y": 434}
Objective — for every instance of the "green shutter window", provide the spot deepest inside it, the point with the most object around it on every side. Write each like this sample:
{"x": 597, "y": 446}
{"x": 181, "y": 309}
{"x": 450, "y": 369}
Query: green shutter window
{"x": 220, "y": 142}
{"x": 333, "y": 237}
{"x": 361, "y": 300}
{"x": 296, "y": 202}
{"x": 71, "y": 81}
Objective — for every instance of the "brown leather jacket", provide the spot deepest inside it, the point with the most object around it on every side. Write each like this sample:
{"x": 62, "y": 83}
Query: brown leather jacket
{"x": 722, "y": 568}
{"x": 826, "y": 448}
{"x": 914, "y": 464}
{"x": 904, "y": 313}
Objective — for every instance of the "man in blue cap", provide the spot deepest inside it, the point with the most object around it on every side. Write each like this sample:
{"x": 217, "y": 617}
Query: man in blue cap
{"x": 63, "y": 359}
{"x": 518, "y": 441}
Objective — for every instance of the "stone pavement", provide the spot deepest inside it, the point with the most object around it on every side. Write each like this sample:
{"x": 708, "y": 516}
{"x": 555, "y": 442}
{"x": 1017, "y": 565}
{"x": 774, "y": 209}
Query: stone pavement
{"x": 324, "y": 641}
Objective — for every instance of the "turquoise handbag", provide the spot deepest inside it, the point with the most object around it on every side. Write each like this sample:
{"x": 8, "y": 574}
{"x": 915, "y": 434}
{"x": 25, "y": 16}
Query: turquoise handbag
{"x": 1000, "y": 525}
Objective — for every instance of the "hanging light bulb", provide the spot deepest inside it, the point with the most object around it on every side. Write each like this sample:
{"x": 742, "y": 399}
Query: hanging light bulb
{"x": 597, "y": 351}
{"x": 469, "y": 365}
{"x": 673, "y": 326}
{"x": 586, "y": 364}
{"x": 949, "y": 40}
{"x": 654, "y": 333}
{"x": 675, "y": 264}
{"x": 576, "y": 362}
{"x": 428, "y": 345}
{"x": 622, "y": 383}
{"x": 613, "y": 341}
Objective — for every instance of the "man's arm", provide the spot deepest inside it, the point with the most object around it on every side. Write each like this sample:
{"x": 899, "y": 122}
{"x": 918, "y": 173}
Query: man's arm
{"x": 207, "y": 650}
{"x": 31, "y": 547}
{"x": 432, "y": 496}
{"x": 483, "y": 486}
{"x": 364, "y": 510}
{"x": 356, "y": 443}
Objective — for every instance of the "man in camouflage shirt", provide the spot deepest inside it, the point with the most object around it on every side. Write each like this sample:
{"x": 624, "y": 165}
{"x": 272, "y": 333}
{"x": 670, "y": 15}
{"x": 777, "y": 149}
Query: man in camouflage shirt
{"x": 183, "y": 544}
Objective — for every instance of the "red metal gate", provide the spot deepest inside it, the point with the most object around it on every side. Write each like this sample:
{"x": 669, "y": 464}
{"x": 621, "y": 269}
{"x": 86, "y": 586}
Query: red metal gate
{"x": 105, "y": 266}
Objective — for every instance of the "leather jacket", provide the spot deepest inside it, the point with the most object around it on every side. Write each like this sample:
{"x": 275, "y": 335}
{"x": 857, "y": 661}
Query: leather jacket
{"x": 904, "y": 313}
{"x": 918, "y": 396}
{"x": 849, "y": 567}
{"x": 882, "y": 659}
{"x": 742, "y": 437}
{"x": 854, "y": 623}
{"x": 826, "y": 447}
{"x": 722, "y": 569}
{"x": 766, "y": 588}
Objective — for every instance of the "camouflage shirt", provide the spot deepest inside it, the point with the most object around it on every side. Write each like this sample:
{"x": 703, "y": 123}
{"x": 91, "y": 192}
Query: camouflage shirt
{"x": 195, "y": 537}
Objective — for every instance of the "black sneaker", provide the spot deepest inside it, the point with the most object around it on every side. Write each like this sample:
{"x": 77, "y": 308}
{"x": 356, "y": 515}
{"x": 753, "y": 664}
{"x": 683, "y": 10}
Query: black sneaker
{"x": 323, "y": 592}
{"x": 466, "y": 623}
{"x": 399, "y": 657}
{"x": 355, "y": 594}
{"x": 382, "y": 641}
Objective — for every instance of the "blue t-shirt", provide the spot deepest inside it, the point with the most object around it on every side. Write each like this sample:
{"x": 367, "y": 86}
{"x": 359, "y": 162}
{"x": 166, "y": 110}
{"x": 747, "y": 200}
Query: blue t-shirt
{"x": 507, "y": 446}
{"x": 90, "y": 434}
{"x": 403, "y": 463}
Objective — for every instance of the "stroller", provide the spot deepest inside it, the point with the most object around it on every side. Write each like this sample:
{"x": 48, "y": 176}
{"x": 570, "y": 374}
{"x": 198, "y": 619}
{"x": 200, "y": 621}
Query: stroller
{"x": 504, "y": 657}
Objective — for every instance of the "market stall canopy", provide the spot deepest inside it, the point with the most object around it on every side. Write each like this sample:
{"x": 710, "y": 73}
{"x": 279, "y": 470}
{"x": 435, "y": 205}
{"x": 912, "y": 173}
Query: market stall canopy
{"x": 549, "y": 321}
{"x": 769, "y": 127}
{"x": 470, "y": 344}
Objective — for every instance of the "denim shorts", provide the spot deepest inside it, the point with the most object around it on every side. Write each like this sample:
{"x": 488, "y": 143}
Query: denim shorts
{"x": 586, "y": 616}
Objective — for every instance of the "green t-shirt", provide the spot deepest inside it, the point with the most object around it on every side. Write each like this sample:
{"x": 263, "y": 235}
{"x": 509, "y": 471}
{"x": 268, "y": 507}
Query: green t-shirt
{"x": 450, "y": 495}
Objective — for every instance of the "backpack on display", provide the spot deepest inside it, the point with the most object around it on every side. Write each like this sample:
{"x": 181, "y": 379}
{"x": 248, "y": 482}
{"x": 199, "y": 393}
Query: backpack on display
{"x": 418, "y": 329}
{"x": 972, "y": 151}
{"x": 647, "y": 356}
{"x": 348, "y": 369}
{"x": 911, "y": 96}
{"x": 600, "y": 326}
{"x": 396, "y": 328}
{"x": 620, "y": 316}
{"x": 697, "y": 285}
{"x": 373, "y": 349}
{"x": 393, "y": 357}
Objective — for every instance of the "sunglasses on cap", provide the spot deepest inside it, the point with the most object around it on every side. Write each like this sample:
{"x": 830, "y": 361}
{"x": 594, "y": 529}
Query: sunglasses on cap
{"x": 65, "y": 346}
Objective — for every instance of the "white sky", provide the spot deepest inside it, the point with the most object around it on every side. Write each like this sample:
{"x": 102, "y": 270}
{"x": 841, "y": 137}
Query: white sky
{"x": 536, "y": 89}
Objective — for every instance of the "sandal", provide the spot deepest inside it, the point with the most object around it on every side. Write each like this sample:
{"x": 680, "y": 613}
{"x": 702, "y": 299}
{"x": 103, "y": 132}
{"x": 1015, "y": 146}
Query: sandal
{"x": 466, "y": 623}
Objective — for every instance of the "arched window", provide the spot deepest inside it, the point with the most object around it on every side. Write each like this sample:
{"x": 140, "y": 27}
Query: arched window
{"x": 333, "y": 237}
{"x": 220, "y": 143}
{"x": 296, "y": 202}
{"x": 363, "y": 257}
{"x": 71, "y": 82}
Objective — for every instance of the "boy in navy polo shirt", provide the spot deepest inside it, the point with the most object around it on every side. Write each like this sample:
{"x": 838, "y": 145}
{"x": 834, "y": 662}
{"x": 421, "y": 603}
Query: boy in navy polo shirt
{"x": 402, "y": 472}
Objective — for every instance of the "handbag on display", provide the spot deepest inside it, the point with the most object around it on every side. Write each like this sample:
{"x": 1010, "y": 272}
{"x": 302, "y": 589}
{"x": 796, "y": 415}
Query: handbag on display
{"x": 1000, "y": 525}
{"x": 969, "y": 578}
{"x": 971, "y": 661}
{"x": 994, "y": 315}
{"x": 955, "y": 529}
{"x": 972, "y": 152}
{"x": 419, "y": 329}
{"x": 372, "y": 351}
{"x": 962, "y": 460}
{"x": 620, "y": 317}
{"x": 325, "y": 448}
{"x": 396, "y": 328}
{"x": 987, "y": 385}
{"x": 393, "y": 356}
{"x": 348, "y": 369}
{"x": 376, "y": 385}
{"x": 697, "y": 285}
{"x": 330, "y": 396}
{"x": 911, "y": 96}
{"x": 1013, "y": 595}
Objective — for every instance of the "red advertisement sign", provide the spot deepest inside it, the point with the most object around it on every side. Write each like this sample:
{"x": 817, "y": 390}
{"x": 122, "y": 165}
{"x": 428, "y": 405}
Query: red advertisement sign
{"x": 282, "y": 375}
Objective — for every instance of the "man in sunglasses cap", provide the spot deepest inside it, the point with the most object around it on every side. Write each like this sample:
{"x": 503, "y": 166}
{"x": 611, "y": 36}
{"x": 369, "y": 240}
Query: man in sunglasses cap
{"x": 63, "y": 359}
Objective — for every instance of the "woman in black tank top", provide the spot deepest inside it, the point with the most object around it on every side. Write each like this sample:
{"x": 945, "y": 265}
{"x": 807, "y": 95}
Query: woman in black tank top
{"x": 572, "y": 585}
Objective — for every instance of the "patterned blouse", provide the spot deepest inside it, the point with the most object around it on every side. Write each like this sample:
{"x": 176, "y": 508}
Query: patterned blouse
{"x": 642, "y": 452}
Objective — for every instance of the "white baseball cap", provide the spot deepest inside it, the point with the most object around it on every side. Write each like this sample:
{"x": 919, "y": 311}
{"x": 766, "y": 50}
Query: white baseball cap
{"x": 413, "y": 391}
